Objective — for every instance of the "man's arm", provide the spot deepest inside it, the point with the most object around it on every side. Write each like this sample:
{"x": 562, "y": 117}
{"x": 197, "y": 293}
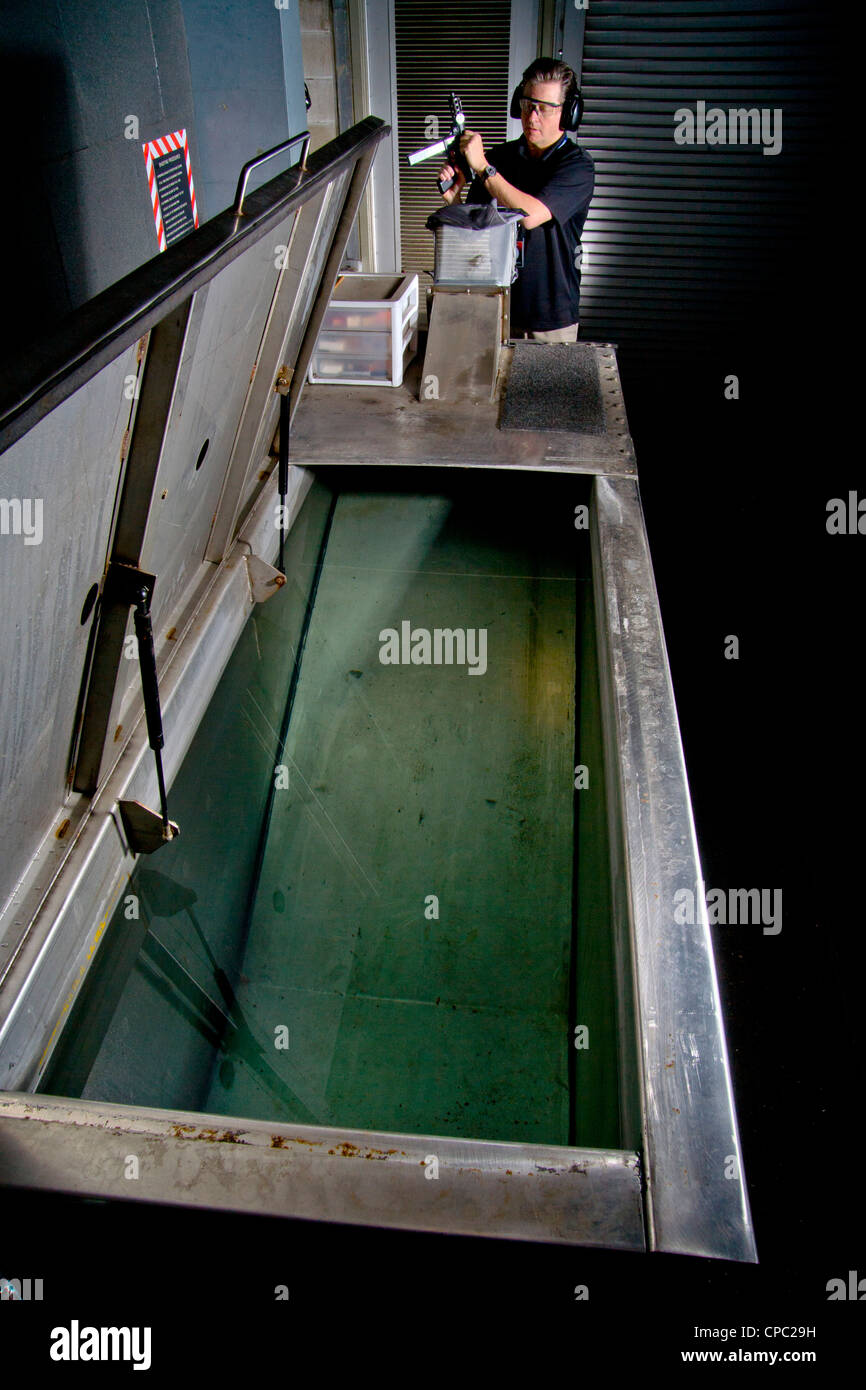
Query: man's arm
{"x": 511, "y": 197}
{"x": 537, "y": 212}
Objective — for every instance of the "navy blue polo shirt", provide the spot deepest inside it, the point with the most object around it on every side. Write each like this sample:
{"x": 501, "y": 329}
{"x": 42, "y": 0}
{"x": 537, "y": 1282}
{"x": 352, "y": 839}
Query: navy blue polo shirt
{"x": 546, "y": 293}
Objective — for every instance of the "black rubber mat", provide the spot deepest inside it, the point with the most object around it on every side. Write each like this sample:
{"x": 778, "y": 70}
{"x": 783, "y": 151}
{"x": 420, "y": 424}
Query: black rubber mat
{"x": 553, "y": 386}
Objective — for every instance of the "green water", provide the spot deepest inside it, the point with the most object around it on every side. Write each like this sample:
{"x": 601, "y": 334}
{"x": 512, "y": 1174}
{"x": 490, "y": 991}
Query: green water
{"x": 388, "y": 907}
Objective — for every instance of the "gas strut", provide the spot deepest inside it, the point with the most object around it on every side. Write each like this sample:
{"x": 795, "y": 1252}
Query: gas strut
{"x": 284, "y": 381}
{"x": 283, "y": 478}
{"x": 145, "y": 830}
{"x": 150, "y": 691}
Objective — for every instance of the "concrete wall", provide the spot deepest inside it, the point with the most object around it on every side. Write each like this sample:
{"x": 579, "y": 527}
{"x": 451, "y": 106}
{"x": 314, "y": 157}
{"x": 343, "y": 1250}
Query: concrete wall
{"x": 317, "y": 45}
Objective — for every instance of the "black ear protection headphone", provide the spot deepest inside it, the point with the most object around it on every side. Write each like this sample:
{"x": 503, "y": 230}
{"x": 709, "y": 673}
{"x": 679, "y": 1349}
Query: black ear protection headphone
{"x": 570, "y": 112}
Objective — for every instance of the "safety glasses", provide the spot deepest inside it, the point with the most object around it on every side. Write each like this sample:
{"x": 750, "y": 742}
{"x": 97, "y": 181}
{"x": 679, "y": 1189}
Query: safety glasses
{"x": 545, "y": 108}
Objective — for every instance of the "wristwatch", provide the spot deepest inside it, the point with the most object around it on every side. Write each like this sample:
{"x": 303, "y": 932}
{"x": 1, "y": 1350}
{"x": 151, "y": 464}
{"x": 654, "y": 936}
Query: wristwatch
{"x": 487, "y": 173}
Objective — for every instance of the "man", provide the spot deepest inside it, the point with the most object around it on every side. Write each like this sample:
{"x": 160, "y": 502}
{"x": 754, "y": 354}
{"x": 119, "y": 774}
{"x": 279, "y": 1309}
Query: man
{"x": 551, "y": 179}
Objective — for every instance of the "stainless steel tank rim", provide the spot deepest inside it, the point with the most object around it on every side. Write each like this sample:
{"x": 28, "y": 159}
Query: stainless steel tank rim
{"x": 433, "y": 1183}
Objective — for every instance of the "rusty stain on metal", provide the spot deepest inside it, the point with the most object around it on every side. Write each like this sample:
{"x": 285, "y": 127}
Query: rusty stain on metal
{"x": 279, "y": 1141}
{"x": 62, "y": 829}
{"x": 171, "y": 634}
{"x": 347, "y": 1150}
{"x": 118, "y": 731}
{"x": 211, "y": 1136}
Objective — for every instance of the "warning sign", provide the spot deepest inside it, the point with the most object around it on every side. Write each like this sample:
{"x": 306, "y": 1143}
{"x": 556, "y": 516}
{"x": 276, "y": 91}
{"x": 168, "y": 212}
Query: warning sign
{"x": 169, "y": 176}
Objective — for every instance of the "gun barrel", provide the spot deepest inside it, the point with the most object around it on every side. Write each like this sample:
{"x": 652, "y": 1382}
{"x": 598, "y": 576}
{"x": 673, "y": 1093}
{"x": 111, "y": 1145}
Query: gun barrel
{"x": 451, "y": 141}
{"x": 418, "y": 157}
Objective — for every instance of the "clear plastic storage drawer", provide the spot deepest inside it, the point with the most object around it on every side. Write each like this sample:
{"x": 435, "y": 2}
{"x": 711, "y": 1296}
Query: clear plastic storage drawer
{"x": 369, "y": 331}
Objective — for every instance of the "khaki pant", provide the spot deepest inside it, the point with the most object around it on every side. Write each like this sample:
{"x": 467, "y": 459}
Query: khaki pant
{"x": 553, "y": 335}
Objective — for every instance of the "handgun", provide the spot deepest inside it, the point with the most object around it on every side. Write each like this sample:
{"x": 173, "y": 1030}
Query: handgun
{"x": 450, "y": 146}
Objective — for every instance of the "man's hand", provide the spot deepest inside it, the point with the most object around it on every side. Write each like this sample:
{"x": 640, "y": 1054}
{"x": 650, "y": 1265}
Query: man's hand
{"x": 472, "y": 149}
{"x": 452, "y": 195}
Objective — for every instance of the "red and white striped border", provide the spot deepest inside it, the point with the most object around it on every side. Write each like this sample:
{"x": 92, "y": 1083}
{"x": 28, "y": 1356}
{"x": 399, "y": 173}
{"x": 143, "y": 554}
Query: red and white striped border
{"x": 152, "y": 150}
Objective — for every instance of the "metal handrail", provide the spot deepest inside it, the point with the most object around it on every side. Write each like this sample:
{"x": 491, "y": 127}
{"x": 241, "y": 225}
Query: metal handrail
{"x": 262, "y": 158}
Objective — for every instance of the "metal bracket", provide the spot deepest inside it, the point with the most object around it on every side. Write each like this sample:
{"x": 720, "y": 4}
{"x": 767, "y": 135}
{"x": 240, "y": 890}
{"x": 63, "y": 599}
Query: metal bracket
{"x": 145, "y": 830}
{"x": 124, "y": 583}
{"x": 265, "y": 581}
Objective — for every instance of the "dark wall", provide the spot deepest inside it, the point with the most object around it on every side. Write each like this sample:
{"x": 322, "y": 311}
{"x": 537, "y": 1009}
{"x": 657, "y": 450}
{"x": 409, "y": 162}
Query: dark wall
{"x": 718, "y": 271}
{"x": 71, "y": 73}
{"x": 699, "y": 239}
{"x": 83, "y": 84}
{"x": 248, "y": 89}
